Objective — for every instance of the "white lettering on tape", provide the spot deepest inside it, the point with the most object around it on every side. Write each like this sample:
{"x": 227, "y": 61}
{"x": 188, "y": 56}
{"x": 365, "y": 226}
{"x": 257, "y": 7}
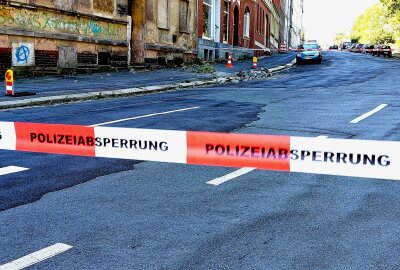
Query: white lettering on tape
{"x": 141, "y": 144}
{"x": 359, "y": 158}
{"x": 7, "y": 136}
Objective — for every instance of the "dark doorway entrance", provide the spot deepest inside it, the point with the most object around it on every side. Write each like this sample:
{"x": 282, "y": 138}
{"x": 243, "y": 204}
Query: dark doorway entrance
{"x": 236, "y": 26}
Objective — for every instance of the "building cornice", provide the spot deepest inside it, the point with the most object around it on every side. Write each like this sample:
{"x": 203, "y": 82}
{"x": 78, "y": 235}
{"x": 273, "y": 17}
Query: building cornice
{"x": 272, "y": 8}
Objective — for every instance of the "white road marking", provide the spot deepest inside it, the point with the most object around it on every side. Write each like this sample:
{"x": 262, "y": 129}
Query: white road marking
{"x": 230, "y": 176}
{"x": 12, "y": 169}
{"x": 368, "y": 114}
{"x": 36, "y": 257}
{"x": 143, "y": 116}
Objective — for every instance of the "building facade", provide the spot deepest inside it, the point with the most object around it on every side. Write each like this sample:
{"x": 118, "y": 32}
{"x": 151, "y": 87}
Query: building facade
{"x": 296, "y": 25}
{"x": 287, "y": 19}
{"x": 163, "y": 31}
{"x": 241, "y": 27}
{"x": 55, "y": 36}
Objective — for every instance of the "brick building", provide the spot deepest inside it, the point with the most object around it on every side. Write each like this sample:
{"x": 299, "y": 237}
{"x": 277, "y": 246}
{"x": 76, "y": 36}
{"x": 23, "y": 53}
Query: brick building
{"x": 238, "y": 27}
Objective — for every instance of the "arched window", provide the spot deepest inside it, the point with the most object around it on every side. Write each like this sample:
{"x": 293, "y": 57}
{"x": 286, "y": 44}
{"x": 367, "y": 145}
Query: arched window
{"x": 246, "y": 23}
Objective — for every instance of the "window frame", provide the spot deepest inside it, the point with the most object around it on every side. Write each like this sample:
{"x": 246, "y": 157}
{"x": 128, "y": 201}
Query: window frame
{"x": 211, "y": 6}
{"x": 225, "y": 37}
{"x": 167, "y": 13}
{"x": 246, "y": 23}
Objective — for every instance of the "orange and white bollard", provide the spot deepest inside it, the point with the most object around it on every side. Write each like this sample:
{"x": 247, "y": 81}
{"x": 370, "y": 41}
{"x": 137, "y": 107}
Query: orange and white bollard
{"x": 9, "y": 82}
{"x": 229, "y": 64}
{"x": 254, "y": 63}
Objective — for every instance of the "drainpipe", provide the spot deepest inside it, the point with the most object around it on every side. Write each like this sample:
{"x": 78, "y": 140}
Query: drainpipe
{"x": 197, "y": 28}
{"x": 129, "y": 38}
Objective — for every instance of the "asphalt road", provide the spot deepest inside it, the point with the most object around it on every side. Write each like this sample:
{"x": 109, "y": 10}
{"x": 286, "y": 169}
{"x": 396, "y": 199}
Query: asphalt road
{"x": 118, "y": 214}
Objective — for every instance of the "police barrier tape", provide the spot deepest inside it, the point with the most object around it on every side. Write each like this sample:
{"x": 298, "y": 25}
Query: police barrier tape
{"x": 358, "y": 158}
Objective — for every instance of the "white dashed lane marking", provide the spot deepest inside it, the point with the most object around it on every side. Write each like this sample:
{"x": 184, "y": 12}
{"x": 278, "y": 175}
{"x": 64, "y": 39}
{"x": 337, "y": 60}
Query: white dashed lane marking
{"x": 143, "y": 116}
{"x": 230, "y": 176}
{"x": 36, "y": 257}
{"x": 368, "y": 114}
{"x": 11, "y": 169}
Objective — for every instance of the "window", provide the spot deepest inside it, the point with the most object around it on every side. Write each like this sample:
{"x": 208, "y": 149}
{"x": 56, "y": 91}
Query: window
{"x": 163, "y": 14}
{"x": 184, "y": 16}
{"x": 257, "y": 17}
{"x": 261, "y": 21}
{"x": 246, "y": 22}
{"x": 226, "y": 21}
{"x": 207, "y": 18}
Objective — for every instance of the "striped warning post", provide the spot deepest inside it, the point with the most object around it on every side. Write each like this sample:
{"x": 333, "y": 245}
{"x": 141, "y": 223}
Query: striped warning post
{"x": 355, "y": 158}
{"x": 9, "y": 78}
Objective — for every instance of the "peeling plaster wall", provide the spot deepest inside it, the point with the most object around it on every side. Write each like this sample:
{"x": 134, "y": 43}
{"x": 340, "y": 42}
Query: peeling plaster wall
{"x": 68, "y": 39}
{"x": 170, "y": 43}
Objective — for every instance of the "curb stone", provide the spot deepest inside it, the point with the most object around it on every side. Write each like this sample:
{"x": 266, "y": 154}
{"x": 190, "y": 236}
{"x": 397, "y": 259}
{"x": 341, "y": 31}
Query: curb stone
{"x": 60, "y": 99}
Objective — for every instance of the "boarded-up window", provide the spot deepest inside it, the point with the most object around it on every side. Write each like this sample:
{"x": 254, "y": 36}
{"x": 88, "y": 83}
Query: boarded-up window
{"x": 67, "y": 5}
{"x": 184, "y": 16}
{"x": 163, "y": 14}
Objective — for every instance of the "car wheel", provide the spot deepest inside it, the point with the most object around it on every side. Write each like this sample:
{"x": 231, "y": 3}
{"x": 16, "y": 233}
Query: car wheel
{"x": 298, "y": 62}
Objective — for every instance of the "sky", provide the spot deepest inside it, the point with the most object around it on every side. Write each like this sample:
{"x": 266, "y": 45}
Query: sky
{"x": 323, "y": 19}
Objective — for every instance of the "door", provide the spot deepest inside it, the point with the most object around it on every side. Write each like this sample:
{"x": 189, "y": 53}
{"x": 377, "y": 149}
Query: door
{"x": 236, "y": 26}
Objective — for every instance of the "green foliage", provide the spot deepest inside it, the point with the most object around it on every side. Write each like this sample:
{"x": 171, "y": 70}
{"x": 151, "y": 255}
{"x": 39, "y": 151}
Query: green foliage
{"x": 393, "y": 6}
{"x": 377, "y": 25}
{"x": 339, "y": 38}
{"x": 203, "y": 68}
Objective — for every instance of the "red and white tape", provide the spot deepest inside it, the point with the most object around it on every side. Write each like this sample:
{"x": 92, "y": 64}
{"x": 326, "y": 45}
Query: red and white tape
{"x": 357, "y": 158}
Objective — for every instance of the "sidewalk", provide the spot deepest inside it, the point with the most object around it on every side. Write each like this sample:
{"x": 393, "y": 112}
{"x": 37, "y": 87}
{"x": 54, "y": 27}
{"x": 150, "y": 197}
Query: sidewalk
{"x": 100, "y": 85}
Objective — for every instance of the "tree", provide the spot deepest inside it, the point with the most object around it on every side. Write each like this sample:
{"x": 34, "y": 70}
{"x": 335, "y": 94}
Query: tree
{"x": 339, "y": 38}
{"x": 393, "y": 6}
{"x": 374, "y": 26}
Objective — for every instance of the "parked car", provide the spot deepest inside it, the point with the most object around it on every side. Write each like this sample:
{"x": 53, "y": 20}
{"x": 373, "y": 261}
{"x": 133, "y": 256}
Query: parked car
{"x": 345, "y": 45}
{"x": 351, "y": 47}
{"x": 358, "y": 48}
{"x": 300, "y": 48}
{"x": 384, "y": 50}
{"x": 334, "y": 47}
{"x": 367, "y": 48}
{"x": 311, "y": 53}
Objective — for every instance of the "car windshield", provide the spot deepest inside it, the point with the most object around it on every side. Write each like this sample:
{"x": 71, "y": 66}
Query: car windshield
{"x": 310, "y": 46}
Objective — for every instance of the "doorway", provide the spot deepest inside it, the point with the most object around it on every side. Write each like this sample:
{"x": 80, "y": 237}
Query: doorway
{"x": 236, "y": 26}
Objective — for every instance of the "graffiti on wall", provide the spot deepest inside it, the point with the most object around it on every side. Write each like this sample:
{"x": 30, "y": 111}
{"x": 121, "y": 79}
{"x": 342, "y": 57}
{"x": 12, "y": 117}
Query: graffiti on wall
{"x": 23, "y": 54}
{"x": 60, "y": 23}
